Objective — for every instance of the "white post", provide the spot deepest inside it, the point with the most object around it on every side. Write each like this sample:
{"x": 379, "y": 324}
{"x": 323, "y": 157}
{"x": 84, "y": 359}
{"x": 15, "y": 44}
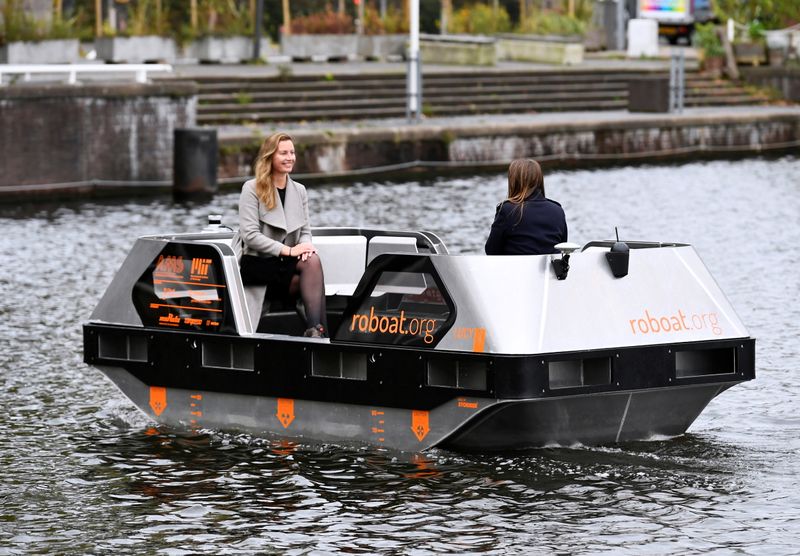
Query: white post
{"x": 413, "y": 77}
{"x": 620, "y": 25}
{"x": 731, "y": 30}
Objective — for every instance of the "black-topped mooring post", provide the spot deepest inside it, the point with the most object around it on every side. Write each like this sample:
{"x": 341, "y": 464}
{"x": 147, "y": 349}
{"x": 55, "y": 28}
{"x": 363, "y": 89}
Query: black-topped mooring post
{"x": 650, "y": 93}
{"x": 194, "y": 170}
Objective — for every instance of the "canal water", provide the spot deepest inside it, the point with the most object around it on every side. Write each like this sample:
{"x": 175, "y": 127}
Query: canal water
{"x": 83, "y": 472}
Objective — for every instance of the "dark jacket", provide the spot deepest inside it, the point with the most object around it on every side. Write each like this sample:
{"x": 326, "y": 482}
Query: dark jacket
{"x": 542, "y": 226}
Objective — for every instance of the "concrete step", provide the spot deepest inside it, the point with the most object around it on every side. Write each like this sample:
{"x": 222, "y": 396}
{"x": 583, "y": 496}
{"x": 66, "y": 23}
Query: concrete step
{"x": 276, "y": 96}
{"x": 292, "y": 86}
{"x": 299, "y": 115}
{"x": 733, "y": 100}
{"x": 346, "y": 95}
{"x": 353, "y": 104}
{"x": 211, "y": 85}
{"x": 353, "y": 97}
{"x": 520, "y": 99}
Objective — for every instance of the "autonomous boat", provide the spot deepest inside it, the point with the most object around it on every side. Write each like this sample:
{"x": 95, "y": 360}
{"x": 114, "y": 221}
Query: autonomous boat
{"x": 603, "y": 343}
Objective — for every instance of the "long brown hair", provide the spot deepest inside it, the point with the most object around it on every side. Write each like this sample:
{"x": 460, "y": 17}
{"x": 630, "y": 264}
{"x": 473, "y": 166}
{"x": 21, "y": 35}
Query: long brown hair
{"x": 525, "y": 178}
{"x": 265, "y": 189}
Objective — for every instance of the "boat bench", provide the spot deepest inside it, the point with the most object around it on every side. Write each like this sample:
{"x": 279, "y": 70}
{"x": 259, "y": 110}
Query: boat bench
{"x": 344, "y": 259}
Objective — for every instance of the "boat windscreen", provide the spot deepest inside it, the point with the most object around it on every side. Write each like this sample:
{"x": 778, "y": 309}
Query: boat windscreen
{"x": 184, "y": 287}
{"x": 403, "y": 303}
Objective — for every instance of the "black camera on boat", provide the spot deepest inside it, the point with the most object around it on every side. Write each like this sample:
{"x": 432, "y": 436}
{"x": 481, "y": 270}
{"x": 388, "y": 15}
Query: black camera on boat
{"x": 561, "y": 266}
{"x": 618, "y": 258}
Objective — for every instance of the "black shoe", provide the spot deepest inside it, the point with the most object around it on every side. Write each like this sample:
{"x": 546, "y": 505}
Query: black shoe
{"x": 315, "y": 332}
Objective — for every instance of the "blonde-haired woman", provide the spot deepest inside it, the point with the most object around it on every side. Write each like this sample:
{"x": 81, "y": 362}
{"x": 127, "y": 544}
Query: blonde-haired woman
{"x": 526, "y": 223}
{"x": 274, "y": 225}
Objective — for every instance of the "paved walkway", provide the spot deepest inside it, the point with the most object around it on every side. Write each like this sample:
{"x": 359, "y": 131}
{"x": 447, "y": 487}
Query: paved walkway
{"x": 545, "y": 121}
{"x": 607, "y": 60}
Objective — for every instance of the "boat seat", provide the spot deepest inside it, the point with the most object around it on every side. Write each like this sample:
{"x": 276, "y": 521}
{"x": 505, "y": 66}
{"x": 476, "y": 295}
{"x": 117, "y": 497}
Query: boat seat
{"x": 380, "y": 245}
{"x": 254, "y": 298}
{"x": 395, "y": 282}
{"x": 259, "y": 306}
{"x": 343, "y": 261}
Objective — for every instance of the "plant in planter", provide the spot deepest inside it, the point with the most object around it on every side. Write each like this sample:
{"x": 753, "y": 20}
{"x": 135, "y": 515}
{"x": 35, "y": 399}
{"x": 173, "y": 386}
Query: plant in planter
{"x": 223, "y": 32}
{"x": 27, "y": 40}
{"x": 710, "y": 45}
{"x": 327, "y": 22}
{"x": 384, "y": 37}
{"x": 772, "y": 24}
{"x": 327, "y": 34}
{"x": 752, "y": 50}
{"x": 552, "y": 23}
{"x": 545, "y": 36}
{"x": 480, "y": 19}
{"x": 136, "y": 37}
{"x": 333, "y": 34}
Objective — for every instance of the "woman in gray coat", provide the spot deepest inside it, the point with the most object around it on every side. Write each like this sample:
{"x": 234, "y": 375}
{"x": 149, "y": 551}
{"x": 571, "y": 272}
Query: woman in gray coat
{"x": 273, "y": 223}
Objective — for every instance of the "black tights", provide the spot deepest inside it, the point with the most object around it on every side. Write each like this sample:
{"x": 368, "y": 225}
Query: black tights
{"x": 309, "y": 282}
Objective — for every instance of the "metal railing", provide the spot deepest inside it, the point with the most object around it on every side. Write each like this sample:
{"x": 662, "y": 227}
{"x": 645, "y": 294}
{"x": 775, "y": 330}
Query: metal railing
{"x": 71, "y": 71}
{"x": 677, "y": 80}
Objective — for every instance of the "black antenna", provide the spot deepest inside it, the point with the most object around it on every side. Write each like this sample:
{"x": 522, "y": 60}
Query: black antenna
{"x": 616, "y": 231}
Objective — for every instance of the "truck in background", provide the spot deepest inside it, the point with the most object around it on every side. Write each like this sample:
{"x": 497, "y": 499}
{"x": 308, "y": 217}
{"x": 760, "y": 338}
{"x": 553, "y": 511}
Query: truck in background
{"x": 676, "y": 18}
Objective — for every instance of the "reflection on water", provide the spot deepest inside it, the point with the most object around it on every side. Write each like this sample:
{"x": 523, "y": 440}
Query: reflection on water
{"x": 83, "y": 472}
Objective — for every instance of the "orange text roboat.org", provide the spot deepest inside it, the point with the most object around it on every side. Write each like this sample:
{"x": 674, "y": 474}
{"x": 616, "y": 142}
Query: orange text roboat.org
{"x": 677, "y": 322}
{"x": 369, "y": 324}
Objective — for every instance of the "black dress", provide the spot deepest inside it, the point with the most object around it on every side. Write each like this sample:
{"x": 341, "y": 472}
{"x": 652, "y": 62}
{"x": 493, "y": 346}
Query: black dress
{"x": 275, "y": 272}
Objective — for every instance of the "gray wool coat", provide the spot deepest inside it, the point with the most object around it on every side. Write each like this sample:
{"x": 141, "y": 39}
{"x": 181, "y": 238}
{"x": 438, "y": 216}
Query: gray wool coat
{"x": 265, "y": 232}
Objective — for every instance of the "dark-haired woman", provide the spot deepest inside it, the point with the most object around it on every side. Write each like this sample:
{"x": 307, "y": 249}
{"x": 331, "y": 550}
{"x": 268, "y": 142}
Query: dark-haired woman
{"x": 274, "y": 225}
{"x": 526, "y": 223}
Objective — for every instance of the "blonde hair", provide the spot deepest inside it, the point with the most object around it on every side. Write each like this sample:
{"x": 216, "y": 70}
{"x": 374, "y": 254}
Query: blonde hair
{"x": 265, "y": 189}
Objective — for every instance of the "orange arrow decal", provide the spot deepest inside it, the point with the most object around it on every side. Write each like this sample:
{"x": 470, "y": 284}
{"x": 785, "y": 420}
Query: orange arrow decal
{"x": 285, "y": 411}
{"x": 419, "y": 424}
{"x": 479, "y": 340}
{"x": 158, "y": 399}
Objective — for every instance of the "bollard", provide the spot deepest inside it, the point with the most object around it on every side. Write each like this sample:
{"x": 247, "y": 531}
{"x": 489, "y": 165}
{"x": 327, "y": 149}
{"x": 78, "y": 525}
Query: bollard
{"x": 649, "y": 94}
{"x": 194, "y": 170}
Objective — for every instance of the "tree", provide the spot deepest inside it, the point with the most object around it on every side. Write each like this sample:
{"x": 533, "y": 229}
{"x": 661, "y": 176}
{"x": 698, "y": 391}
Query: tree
{"x": 772, "y": 14}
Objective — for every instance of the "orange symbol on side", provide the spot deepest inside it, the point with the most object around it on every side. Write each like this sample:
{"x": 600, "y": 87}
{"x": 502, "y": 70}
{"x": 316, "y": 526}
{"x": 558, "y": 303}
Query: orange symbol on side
{"x": 158, "y": 399}
{"x": 479, "y": 340}
{"x": 419, "y": 424}
{"x": 285, "y": 412}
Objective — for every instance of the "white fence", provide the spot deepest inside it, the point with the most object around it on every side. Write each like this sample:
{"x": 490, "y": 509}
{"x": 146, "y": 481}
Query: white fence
{"x": 71, "y": 71}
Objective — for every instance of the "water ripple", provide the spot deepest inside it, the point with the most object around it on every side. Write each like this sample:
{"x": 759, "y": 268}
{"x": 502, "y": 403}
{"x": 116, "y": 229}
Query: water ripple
{"x": 83, "y": 472}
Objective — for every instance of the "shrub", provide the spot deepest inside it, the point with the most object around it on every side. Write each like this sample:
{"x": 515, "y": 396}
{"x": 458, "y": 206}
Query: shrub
{"x": 224, "y": 17}
{"x": 756, "y": 31}
{"x": 551, "y": 23}
{"x": 707, "y": 39}
{"x": 480, "y": 19}
{"x": 392, "y": 22}
{"x": 772, "y": 14}
{"x": 327, "y": 22}
{"x": 18, "y": 25}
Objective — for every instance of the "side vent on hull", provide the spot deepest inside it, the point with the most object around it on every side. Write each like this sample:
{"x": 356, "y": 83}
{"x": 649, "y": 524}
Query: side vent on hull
{"x": 574, "y": 373}
{"x": 333, "y": 364}
{"x": 452, "y": 373}
{"x": 122, "y": 347}
{"x": 225, "y": 355}
{"x": 705, "y": 362}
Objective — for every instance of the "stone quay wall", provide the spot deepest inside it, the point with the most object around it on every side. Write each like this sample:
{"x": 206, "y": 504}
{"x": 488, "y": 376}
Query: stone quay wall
{"x": 591, "y": 140}
{"x": 65, "y": 136}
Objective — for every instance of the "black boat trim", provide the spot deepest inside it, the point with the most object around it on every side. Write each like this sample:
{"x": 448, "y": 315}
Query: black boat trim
{"x": 395, "y": 376}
